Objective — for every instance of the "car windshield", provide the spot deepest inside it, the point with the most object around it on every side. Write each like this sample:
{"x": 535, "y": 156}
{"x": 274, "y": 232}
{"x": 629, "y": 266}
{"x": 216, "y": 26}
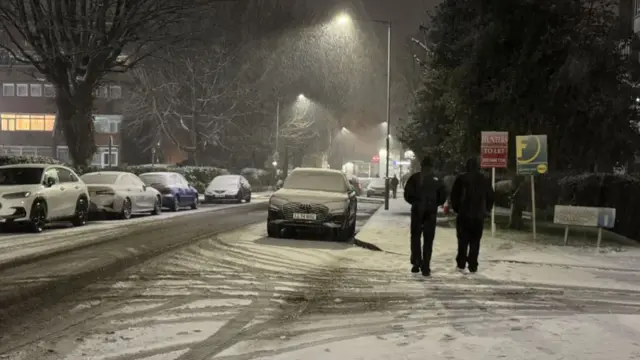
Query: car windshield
{"x": 97, "y": 178}
{"x": 21, "y": 176}
{"x": 224, "y": 181}
{"x": 150, "y": 179}
{"x": 320, "y": 181}
{"x": 377, "y": 183}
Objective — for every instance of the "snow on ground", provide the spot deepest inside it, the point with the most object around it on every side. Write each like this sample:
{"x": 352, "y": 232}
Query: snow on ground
{"x": 243, "y": 295}
{"x": 14, "y": 246}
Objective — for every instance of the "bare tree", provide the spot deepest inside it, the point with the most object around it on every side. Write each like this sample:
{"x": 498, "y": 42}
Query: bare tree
{"x": 76, "y": 43}
{"x": 191, "y": 98}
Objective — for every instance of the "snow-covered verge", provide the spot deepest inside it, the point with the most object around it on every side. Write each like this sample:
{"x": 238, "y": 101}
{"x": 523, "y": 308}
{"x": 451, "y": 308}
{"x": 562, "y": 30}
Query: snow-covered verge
{"x": 14, "y": 246}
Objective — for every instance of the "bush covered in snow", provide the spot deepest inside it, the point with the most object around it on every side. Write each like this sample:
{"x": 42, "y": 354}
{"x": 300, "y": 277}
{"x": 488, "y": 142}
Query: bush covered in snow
{"x": 13, "y": 160}
{"x": 617, "y": 191}
{"x": 258, "y": 178}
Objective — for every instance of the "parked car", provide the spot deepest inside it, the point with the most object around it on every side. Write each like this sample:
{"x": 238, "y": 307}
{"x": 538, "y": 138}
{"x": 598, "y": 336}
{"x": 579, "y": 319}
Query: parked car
{"x": 228, "y": 188}
{"x": 175, "y": 189}
{"x": 317, "y": 199}
{"x": 376, "y": 187}
{"x": 34, "y": 194}
{"x": 121, "y": 193}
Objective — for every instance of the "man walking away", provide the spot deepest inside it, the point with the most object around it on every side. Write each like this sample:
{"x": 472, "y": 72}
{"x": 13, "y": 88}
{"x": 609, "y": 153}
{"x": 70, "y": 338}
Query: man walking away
{"x": 394, "y": 186}
{"x": 425, "y": 192}
{"x": 472, "y": 198}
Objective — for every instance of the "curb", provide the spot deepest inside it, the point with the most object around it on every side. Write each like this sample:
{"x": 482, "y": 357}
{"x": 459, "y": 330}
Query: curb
{"x": 366, "y": 245}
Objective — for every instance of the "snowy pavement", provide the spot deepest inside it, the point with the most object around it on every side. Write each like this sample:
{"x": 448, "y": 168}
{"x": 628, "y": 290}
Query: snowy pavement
{"x": 242, "y": 295}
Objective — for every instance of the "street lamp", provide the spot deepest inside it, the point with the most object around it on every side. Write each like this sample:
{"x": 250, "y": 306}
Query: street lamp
{"x": 276, "y": 155}
{"x": 344, "y": 19}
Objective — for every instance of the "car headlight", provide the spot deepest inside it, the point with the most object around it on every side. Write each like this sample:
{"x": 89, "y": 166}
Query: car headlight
{"x": 17, "y": 195}
{"x": 276, "y": 202}
{"x": 337, "y": 206}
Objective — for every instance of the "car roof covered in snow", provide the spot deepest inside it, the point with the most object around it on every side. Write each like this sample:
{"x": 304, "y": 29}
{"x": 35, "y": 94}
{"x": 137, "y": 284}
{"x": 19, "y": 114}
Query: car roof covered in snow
{"x": 30, "y": 166}
{"x": 316, "y": 171}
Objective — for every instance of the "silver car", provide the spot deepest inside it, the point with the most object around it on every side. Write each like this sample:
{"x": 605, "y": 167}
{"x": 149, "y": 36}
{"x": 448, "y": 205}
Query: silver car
{"x": 121, "y": 193}
{"x": 314, "y": 198}
{"x": 376, "y": 187}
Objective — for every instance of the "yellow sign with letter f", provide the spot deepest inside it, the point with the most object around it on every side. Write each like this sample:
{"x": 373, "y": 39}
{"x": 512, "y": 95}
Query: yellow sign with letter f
{"x": 531, "y": 154}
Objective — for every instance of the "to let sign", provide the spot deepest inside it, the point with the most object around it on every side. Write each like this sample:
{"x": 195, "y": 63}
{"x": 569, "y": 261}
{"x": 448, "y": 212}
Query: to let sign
{"x": 494, "y": 148}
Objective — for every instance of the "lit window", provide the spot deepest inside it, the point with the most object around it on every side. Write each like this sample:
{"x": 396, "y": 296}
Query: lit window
{"x": 49, "y": 90}
{"x": 116, "y": 92}
{"x": 36, "y": 90}
{"x": 8, "y": 90}
{"x": 23, "y": 122}
{"x": 37, "y": 123}
{"x": 22, "y": 90}
{"x": 49, "y": 122}
{"x": 8, "y": 122}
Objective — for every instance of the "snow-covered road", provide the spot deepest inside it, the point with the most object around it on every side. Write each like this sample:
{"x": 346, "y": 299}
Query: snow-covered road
{"x": 242, "y": 295}
{"x": 62, "y": 237}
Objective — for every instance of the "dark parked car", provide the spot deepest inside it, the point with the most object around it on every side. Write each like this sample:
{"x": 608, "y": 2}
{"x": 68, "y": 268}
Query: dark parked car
{"x": 355, "y": 182}
{"x": 228, "y": 188}
{"x": 175, "y": 189}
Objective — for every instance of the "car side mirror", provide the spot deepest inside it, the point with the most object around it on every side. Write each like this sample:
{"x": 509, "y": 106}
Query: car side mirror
{"x": 49, "y": 181}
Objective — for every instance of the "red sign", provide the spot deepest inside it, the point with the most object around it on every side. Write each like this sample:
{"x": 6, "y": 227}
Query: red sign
{"x": 375, "y": 159}
{"x": 494, "y": 149}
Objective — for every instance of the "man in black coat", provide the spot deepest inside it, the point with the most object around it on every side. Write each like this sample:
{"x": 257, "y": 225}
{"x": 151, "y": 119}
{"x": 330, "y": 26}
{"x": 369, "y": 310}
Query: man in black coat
{"x": 394, "y": 186}
{"x": 472, "y": 199}
{"x": 425, "y": 192}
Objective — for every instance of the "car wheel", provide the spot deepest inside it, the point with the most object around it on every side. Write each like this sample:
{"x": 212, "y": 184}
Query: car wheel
{"x": 194, "y": 204}
{"x": 274, "y": 230}
{"x": 157, "y": 206}
{"x": 37, "y": 217}
{"x": 81, "y": 215}
{"x": 125, "y": 213}
{"x": 239, "y": 197}
{"x": 248, "y": 199}
{"x": 175, "y": 205}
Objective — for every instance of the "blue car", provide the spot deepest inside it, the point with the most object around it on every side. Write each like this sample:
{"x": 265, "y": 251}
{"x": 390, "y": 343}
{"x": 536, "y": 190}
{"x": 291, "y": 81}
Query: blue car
{"x": 175, "y": 189}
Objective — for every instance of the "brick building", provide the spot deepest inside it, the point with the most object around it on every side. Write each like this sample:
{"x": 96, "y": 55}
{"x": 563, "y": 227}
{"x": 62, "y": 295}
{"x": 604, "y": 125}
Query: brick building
{"x": 28, "y": 114}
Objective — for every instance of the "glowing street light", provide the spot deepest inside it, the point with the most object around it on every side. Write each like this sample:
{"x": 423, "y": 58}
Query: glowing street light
{"x": 275, "y": 163}
{"x": 301, "y": 97}
{"x": 343, "y": 19}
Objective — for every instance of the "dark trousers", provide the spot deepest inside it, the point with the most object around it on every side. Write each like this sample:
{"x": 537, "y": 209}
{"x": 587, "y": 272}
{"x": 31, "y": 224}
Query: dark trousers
{"x": 395, "y": 192}
{"x": 469, "y": 231}
{"x": 423, "y": 225}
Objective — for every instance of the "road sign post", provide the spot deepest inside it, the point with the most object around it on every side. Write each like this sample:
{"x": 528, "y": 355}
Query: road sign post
{"x": 494, "y": 148}
{"x": 532, "y": 159}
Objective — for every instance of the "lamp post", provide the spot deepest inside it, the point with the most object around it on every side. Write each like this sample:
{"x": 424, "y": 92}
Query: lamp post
{"x": 344, "y": 19}
{"x": 276, "y": 156}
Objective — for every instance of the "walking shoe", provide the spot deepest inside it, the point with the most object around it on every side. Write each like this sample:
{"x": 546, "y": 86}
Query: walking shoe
{"x": 460, "y": 270}
{"x": 426, "y": 272}
{"x": 473, "y": 270}
{"x": 415, "y": 269}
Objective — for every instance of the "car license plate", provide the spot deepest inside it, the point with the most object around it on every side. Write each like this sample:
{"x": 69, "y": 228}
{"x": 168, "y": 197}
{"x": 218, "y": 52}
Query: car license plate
{"x": 298, "y": 216}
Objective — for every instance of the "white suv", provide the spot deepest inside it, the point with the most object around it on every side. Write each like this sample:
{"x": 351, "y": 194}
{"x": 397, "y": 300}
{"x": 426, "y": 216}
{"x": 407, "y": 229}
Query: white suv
{"x": 34, "y": 194}
{"x": 314, "y": 198}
